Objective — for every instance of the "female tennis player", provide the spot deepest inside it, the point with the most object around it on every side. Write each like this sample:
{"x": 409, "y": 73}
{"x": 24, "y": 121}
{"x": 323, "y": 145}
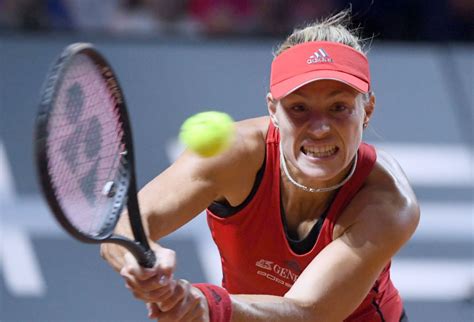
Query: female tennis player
{"x": 305, "y": 215}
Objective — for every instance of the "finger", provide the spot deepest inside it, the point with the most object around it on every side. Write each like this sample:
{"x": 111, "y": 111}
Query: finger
{"x": 152, "y": 284}
{"x": 162, "y": 294}
{"x": 140, "y": 278}
{"x": 166, "y": 259}
{"x": 162, "y": 316}
{"x": 132, "y": 268}
{"x": 153, "y": 310}
{"x": 132, "y": 283}
{"x": 181, "y": 290}
{"x": 164, "y": 266}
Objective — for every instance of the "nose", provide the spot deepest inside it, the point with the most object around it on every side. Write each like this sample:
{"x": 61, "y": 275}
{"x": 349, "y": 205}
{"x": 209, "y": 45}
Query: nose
{"x": 319, "y": 126}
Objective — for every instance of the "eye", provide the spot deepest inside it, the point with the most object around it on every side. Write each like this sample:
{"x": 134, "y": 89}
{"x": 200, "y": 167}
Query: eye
{"x": 339, "y": 108}
{"x": 298, "y": 108}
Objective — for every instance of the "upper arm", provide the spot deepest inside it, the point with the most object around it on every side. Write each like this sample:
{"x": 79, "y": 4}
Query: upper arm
{"x": 190, "y": 184}
{"x": 345, "y": 271}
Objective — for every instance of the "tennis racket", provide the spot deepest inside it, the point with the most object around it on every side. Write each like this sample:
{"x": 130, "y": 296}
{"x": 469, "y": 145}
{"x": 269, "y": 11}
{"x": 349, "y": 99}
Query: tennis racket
{"x": 84, "y": 151}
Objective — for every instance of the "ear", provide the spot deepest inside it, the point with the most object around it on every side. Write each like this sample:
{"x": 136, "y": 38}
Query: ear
{"x": 272, "y": 105}
{"x": 369, "y": 108}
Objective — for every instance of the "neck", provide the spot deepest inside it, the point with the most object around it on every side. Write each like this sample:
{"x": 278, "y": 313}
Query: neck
{"x": 301, "y": 205}
{"x": 340, "y": 179}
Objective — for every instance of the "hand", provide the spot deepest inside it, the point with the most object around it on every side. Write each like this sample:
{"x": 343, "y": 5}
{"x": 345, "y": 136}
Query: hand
{"x": 148, "y": 284}
{"x": 186, "y": 304}
{"x": 115, "y": 255}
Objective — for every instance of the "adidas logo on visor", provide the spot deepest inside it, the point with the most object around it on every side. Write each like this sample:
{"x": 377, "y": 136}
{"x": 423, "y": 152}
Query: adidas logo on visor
{"x": 319, "y": 56}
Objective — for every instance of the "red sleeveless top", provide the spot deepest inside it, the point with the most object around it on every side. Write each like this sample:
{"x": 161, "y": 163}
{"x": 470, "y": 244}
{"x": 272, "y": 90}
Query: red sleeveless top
{"x": 255, "y": 254}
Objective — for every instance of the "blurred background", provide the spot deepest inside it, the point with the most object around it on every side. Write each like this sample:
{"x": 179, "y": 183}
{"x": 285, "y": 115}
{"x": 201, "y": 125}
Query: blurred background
{"x": 175, "y": 58}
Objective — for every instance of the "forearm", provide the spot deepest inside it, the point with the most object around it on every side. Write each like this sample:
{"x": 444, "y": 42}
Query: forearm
{"x": 260, "y": 308}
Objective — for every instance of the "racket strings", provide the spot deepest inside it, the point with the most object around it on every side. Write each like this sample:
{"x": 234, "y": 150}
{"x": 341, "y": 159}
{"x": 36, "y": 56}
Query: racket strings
{"x": 86, "y": 143}
{"x": 85, "y": 147}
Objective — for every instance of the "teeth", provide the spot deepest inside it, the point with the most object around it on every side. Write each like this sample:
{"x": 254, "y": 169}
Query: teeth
{"x": 320, "y": 151}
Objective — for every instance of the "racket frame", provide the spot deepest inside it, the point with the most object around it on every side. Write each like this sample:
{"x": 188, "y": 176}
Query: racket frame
{"x": 126, "y": 189}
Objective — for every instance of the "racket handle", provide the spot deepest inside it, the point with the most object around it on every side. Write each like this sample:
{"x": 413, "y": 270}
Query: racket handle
{"x": 148, "y": 259}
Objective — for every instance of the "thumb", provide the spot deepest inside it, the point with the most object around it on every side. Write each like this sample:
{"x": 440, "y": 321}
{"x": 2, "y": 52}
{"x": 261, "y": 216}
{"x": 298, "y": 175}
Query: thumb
{"x": 165, "y": 260}
{"x": 132, "y": 268}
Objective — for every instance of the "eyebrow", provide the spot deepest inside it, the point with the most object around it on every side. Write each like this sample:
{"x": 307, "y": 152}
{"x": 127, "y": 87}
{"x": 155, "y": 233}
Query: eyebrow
{"x": 338, "y": 92}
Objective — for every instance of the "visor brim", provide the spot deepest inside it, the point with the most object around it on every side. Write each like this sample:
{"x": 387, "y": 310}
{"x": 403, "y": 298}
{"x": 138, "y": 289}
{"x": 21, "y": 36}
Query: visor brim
{"x": 290, "y": 85}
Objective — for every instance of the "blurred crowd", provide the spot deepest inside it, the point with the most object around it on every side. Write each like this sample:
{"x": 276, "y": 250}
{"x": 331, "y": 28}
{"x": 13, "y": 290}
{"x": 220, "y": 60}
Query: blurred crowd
{"x": 406, "y": 20}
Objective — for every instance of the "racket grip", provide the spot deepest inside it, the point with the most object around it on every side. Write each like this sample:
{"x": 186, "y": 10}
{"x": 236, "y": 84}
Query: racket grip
{"x": 144, "y": 255}
{"x": 148, "y": 259}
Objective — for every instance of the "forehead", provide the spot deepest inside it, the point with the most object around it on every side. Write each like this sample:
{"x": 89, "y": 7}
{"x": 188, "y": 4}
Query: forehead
{"x": 323, "y": 88}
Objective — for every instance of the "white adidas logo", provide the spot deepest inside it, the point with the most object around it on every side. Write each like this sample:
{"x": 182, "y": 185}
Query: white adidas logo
{"x": 319, "y": 56}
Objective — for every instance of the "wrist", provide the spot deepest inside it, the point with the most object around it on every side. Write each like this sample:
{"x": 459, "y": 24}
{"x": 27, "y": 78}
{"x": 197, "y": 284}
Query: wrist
{"x": 218, "y": 301}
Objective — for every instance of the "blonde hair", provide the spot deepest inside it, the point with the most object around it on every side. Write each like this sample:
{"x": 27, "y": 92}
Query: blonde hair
{"x": 334, "y": 28}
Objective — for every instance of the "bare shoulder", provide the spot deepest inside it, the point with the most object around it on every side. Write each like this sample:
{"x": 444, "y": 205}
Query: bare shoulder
{"x": 386, "y": 205}
{"x": 248, "y": 146}
{"x": 251, "y": 133}
{"x": 389, "y": 180}
{"x": 233, "y": 172}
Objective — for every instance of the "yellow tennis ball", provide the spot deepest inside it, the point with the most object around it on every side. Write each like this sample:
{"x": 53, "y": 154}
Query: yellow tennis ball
{"x": 207, "y": 133}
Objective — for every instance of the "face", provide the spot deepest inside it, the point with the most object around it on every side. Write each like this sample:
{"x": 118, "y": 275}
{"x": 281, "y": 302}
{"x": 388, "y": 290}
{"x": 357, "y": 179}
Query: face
{"x": 321, "y": 128}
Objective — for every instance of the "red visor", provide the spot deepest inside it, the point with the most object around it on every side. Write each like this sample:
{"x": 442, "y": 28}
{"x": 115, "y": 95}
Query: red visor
{"x": 310, "y": 61}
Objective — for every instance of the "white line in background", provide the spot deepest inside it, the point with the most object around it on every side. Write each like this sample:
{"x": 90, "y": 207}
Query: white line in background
{"x": 434, "y": 164}
{"x": 436, "y": 280}
{"x": 7, "y": 187}
{"x": 446, "y": 221}
{"x": 21, "y": 270}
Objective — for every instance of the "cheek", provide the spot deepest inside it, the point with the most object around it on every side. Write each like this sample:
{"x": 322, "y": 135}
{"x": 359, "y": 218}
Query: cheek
{"x": 287, "y": 142}
{"x": 350, "y": 122}
{"x": 289, "y": 121}
{"x": 354, "y": 128}
{"x": 350, "y": 130}
{"x": 354, "y": 139}
{"x": 289, "y": 129}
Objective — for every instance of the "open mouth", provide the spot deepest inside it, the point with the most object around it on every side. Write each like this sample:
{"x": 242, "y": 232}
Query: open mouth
{"x": 320, "y": 151}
